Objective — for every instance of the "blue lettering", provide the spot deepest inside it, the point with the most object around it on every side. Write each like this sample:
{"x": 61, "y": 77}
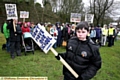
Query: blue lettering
{"x": 33, "y": 34}
{"x": 37, "y": 27}
{"x": 49, "y": 46}
{"x": 37, "y": 38}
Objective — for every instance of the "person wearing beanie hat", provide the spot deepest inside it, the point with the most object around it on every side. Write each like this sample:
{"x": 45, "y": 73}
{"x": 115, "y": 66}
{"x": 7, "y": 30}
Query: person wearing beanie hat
{"x": 81, "y": 54}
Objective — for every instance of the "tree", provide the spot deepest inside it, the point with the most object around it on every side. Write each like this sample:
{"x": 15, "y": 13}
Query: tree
{"x": 99, "y": 8}
{"x": 66, "y": 7}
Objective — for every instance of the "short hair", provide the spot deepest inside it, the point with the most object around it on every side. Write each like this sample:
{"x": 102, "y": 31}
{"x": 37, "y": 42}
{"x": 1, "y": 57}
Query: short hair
{"x": 81, "y": 25}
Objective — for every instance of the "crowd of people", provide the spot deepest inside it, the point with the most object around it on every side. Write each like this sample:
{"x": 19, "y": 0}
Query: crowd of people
{"x": 61, "y": 32}
{"x": 13, "y": 31}
{"x": 105, "y": 35}
{"x": 83, "y": 42}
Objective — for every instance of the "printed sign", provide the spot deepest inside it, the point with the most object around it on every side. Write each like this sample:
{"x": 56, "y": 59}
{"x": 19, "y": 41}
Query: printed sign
{"x": 75, "y": 17}
{"x": 24, "y": 14}
{"x": 11, "y": 11}
{"x": 44, "y": 40}
{"x": 89, "y": 18}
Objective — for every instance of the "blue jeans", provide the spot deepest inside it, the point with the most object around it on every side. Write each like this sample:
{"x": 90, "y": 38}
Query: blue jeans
{"x": 55, "y": 44}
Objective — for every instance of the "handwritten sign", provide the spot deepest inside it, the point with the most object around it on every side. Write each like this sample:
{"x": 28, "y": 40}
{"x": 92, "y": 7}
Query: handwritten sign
{"x": 11, "y": 11}
{"x": 89, "y": 18}
{"x": 75, "y": 17}
{"x": 24, "y": 14}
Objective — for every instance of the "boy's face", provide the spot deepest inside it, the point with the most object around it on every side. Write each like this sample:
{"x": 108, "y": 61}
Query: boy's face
{"x": 82, "y": 34}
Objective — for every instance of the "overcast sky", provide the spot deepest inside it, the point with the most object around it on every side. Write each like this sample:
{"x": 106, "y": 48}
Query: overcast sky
{"x": 86, "y": 2}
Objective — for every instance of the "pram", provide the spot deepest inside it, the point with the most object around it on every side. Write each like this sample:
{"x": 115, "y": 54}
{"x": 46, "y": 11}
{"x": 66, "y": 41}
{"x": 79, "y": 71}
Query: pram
{"x": 27, "y": 42}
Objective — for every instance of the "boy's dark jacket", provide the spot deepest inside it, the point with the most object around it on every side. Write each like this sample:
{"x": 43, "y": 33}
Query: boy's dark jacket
{"x": 83, "y": 57}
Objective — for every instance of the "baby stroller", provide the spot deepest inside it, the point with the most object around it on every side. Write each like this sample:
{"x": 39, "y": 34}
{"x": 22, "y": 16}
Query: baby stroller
{"x": 27, "y": 42}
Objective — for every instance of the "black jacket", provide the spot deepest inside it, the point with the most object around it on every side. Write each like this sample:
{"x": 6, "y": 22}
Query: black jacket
{"x": 14, "y": 37}
{"x": 83, "y": 57}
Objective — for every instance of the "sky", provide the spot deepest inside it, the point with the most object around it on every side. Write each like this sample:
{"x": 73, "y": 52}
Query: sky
{"x": 86, "y": 2}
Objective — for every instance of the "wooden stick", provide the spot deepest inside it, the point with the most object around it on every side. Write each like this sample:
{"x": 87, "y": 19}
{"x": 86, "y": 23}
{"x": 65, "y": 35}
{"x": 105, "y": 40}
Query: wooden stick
{"x": 65, "y": 63}
{"x": 14, "y": 27}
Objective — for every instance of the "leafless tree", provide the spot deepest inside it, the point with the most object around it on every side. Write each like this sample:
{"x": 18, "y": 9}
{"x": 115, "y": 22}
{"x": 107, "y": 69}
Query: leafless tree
{"x": 99, "y": 8}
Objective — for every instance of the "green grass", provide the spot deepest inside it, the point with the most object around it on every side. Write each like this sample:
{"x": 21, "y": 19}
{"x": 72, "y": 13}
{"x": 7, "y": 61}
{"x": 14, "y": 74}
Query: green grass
{"x": 41, "y": 64}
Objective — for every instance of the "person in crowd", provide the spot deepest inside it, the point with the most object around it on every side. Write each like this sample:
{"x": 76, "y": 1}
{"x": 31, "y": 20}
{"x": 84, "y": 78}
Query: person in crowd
{"x": 104, "y": 35}
{"x": 32, "y": 26}
{"x": 48, "y": 27}
{"x": 51, "y": 30}
{"x": 55, "y": 34}
{"x": 66, "y": 30}
{"x": 111, "y": 35}
{"x": 81, "y": 54}
{"x": 59, "y": 36}
{"x": 72, "y": 33}
{"x": 93, "y": 34}
{"x": 25, "y": 28}
{"x": 15, "y": 34}
{"x": 98, "y": 34}
{"x": 6, "y": 35}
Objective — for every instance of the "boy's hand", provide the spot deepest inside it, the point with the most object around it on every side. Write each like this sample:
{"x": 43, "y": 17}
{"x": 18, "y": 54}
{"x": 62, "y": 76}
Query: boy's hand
{"x": 57, "y": 57}
{"x": 79, "y": 78}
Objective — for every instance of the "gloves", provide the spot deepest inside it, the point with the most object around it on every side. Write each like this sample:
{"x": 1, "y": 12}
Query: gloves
{"x": 15, "y": 32}
{"x": 79, "y": 78}
{"x": 58, "y": 56}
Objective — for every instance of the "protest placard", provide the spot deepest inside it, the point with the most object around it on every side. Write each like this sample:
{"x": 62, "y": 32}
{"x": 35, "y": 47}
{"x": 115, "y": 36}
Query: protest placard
{"x": 75, "y": 17}
{"x": 44, "y": 40}
{"x": 11, "y": 11}
{"x": 24, "y": 14}
{"x": 89, "y": 18}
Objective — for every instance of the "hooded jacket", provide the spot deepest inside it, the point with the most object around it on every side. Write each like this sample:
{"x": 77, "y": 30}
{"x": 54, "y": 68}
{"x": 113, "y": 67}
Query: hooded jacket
{"x": 83, "y": 57}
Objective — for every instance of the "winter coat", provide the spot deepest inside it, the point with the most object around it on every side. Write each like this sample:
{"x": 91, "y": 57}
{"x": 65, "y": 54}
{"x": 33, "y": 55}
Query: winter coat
{"x": 83, "y": 57}
{"x": 98, "y": 32}
{"x": 14, "y": 36}
{"x": 93, "y": 33}
{"x": 25, "y": 29}
{"x": 6, "y": 31}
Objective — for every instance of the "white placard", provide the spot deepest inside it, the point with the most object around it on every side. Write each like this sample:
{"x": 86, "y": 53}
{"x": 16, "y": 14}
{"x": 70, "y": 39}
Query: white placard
{"x": 11, "y": 11}
{"x": 89, "y": 18}
{"x": 24, "y": 14}
{"x": 75, "y": 17}
{"x": 44, "y": 40}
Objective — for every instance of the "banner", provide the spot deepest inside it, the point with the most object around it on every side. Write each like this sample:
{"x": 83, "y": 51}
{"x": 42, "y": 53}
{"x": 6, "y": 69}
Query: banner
{"x": 44, "y": 40}
{"x": 75, "y": 17}
{"x": 89, "y": 18}
{"x": 24, "y": 14}
{"x": 11, "y": 11}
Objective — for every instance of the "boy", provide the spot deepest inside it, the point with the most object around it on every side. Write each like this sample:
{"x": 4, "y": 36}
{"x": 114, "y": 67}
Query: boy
{"x": 82, "y": 55}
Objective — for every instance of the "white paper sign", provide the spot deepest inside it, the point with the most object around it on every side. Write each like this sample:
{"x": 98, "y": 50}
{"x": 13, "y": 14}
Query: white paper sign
{"x": 11, "y": 11}
{"x": 24, "y": 14}
{"x": 44, "y": 40}
{"x": 89, "y": 18}
{"x": 75, "y": 17}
